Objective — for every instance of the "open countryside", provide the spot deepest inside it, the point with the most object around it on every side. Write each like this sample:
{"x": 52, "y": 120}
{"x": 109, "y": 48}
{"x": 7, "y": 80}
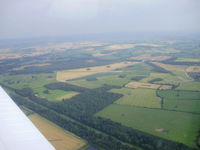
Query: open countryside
{"x": 138, "y": 89}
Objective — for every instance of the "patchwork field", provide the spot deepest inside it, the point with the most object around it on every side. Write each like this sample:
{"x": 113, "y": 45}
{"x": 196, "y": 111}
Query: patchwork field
{"x": 137, "y": 97}
{"x": 37, "y": 82}
{"x": 170, "y": 67}
{"x": 177, "y": 126}
{"x": 147, "y": 85}
{"x": 77, "y": 73}
{"x": 59, "y": 138}
{"x": 131, "y": 82}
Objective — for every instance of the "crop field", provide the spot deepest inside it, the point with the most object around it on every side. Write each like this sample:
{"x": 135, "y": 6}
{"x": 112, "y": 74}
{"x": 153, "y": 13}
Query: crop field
{"x": 119, "y": 47}
{"x": 147, "y": 85}
{"x": 183, "y": 105}
{"x": 166, "y": 78}
{"x": 190, "y": 86}
{"x": 37, "y": 82}
{"x": 182, "y": 76}
{"x": 164, "y": 51}
{"x": 179, "y": 95}
{"x": 33, "y": 80}
{"x": 137, "y": 97}
{"x": 150, "y": 57}
{"x": 101, "y": 54}
{"x": 187, "y": 60}
{"x": 170, "y": 67}
{"x": 59, "y": 138}
{"x": 177, "y": 126}
{"x": 54, "y": 95}
{"x": 193, "y": 69}
{"x": 77, "y": 73}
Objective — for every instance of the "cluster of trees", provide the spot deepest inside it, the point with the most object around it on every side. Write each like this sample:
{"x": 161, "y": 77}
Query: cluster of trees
{"x": 56, "y": 62}
{"x": 195, "y": 75}
{"x": 82, "y": 109}
{"x": 94, "y": 137}
{"x": 173, "y": 62}
{"x": 155, "y": 80}
{"x": 138, "y": 78}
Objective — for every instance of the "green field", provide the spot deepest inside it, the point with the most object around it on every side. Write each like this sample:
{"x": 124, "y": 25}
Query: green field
{"x": 179, "y": 95}
{"x": 36, "y": 82}
{"x": 139, "y": 69}
{"x": 177, "y": 126}
{"x": 183, "y": 105}
{"x": 113, "y": 78}
{"x": 190, "y": 86}
{"x": 167, "y": 78}
{"x": 136, "y": 97}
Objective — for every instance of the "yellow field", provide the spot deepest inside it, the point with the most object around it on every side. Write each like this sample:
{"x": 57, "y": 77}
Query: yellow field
{"x": 119, "y": 47}
{"x": 187, "y": 60}
{"x": 127, "y": 46}
{"x": 101, "y": 54}
{"x": 66, "y": 46}
{"x": 59, "y": 138}
{"x": 149, "y": 57}
{"x": 77, "y": 73}
{"x": 193, "y": 69}
{"x": 170, "y": 67}
{"x": 68, "y": 96}
{"x": 147, "y": 85}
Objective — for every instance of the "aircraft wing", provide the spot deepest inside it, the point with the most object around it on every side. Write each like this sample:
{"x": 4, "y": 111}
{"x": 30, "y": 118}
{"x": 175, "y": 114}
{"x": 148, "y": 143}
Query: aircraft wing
{"x": 17, "y": 132}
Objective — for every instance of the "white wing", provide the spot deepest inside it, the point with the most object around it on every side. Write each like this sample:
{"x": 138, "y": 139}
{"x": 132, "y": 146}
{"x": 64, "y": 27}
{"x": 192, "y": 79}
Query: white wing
{"x": 16, "y": 131}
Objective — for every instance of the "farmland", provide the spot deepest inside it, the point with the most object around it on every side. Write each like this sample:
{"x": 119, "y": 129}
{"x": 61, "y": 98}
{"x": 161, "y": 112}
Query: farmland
{"x": 176, "y": 126}
{"x": 115, "y": 95}
{"x": 147, "y": 85}
{"x": 77, "y": 73}
{"x": 137, "y": 98}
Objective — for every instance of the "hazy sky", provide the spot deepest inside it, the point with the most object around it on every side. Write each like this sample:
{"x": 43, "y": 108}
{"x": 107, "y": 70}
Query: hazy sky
{"x": 34, "y": 18}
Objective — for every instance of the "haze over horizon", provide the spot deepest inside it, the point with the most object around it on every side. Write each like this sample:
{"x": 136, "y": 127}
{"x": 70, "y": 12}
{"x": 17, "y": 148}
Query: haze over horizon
{"x": 36, "y": 18}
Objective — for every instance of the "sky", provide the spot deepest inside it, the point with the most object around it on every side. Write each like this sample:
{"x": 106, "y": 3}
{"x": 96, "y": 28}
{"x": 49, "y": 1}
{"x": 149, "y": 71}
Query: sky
{"x": 35, "y": 18}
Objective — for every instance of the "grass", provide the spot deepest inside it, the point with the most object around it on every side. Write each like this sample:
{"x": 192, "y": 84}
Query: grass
{"x": 147, "y": 85}
{"x": 59, "y": 138}
{"x": 109, "y": 79}
{"x": 36, "y": 82}
{"x": 179, "y": 95}
{"x": 183, "y": 105}
{"x": 139, "y": 69}
{"x": 54, "y": 95}
{"x": 182, "y": 74}
{"x": 178, "y": 126}
{"x": 137, "y": 97}
{"x": 167, "y": 78}
{"x": 191, "y": 86}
